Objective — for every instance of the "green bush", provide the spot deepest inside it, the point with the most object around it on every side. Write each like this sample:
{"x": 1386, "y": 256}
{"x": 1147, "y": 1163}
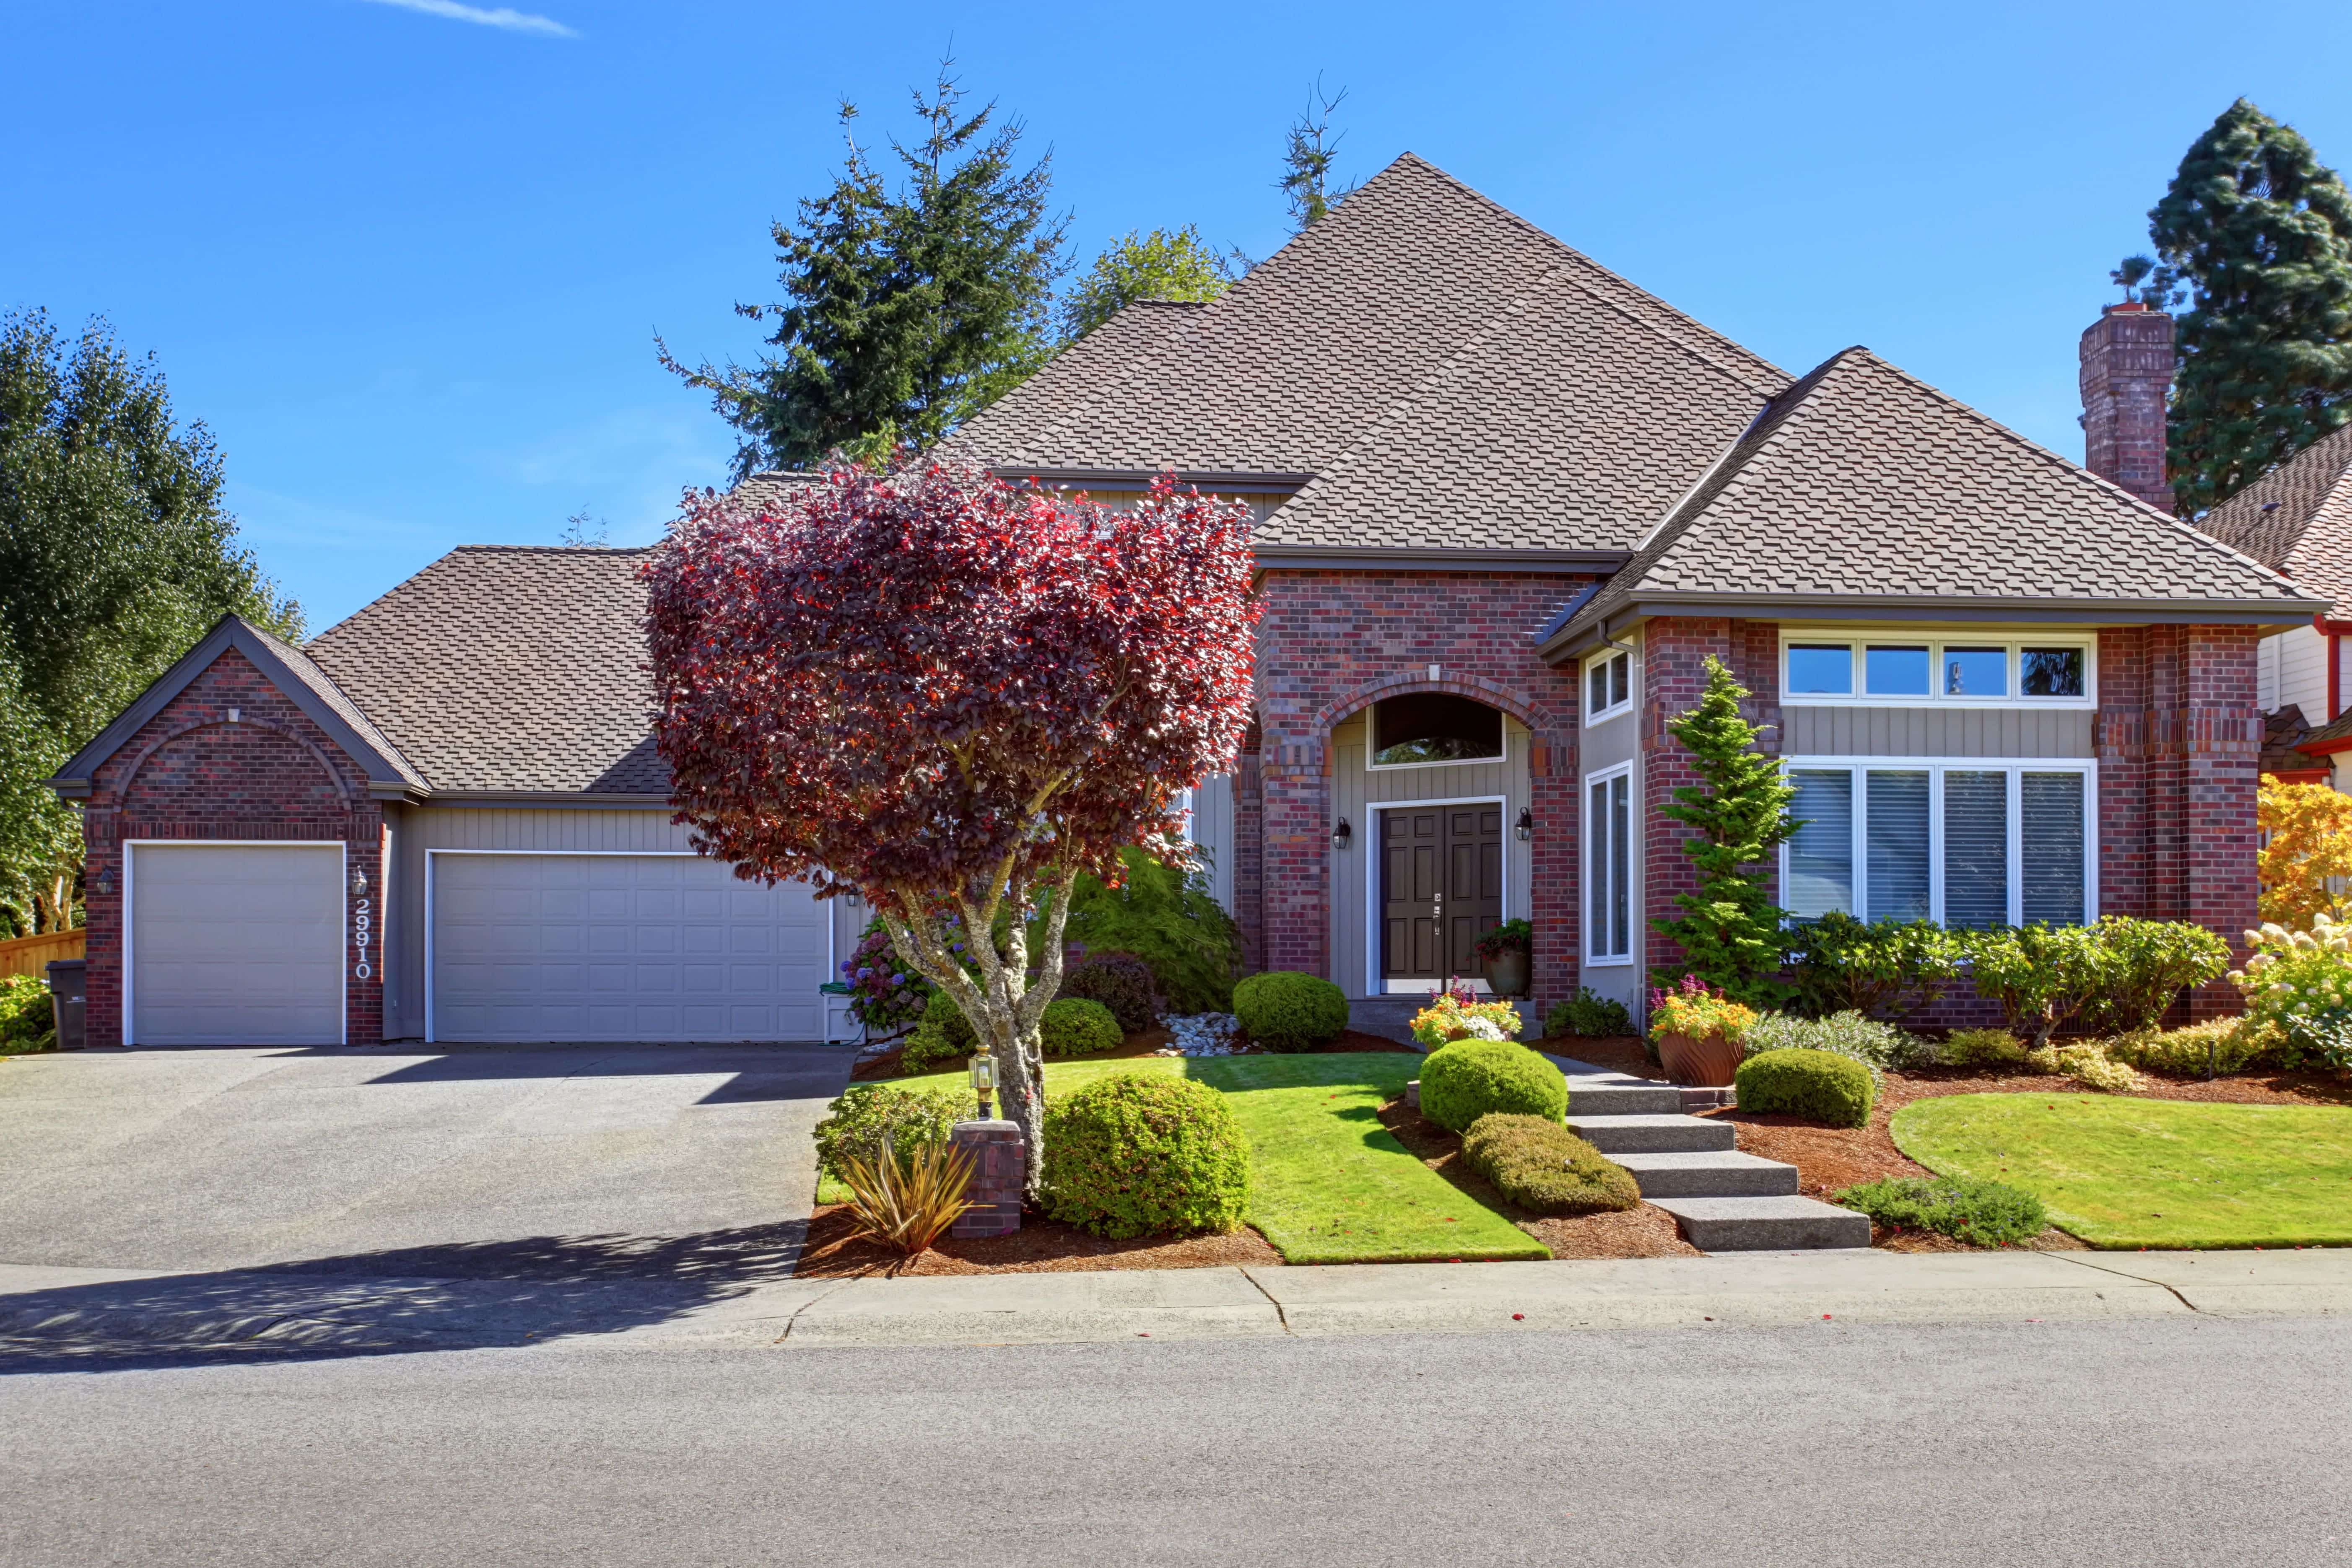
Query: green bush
{"x": 1284, "y": 1011}
{"x": 2039, "y": 975}
{"x": 1588, "y": 1017}
{"x": 26, "y": 1021}
{"x": 1981, "y": 1213}
{"x": 2149, "y": 964}
{"x": 1982, "y": 1048}
{"x": 1877, "y": 1046}
{"x": 944, "y": 1035}
{"x": 856, "y": 1124}
{"x": 1131, "y": 1154}
{"x": 1119, "y": 981}
{"x": 1540, "y": 1166}
{"x": 1817, "y": 1085}
{"x": 2227, "y": 1045}
{"x": 1073, "y": 1026}
{"x": 1474, "y": 1078}
{"x": 1166, "y": 918}
{"x": 1843, "y": 965}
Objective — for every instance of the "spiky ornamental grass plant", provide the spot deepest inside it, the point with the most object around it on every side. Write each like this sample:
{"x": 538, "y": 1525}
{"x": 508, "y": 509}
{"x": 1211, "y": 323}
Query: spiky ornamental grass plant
{"x": 1731, "y": 934}
{"x": 951, "y": 696}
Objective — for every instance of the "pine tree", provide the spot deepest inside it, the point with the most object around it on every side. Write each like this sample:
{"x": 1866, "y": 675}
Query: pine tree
{"x": 1731, "y": 934}
{"x": 1161, "y": 264}
{"x": 1309, "y": 153}
{"x": 906, "y": 311}
{"x": 2261, "y": 233}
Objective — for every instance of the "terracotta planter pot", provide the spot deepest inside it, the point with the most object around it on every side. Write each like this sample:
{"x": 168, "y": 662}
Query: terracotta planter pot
{"x": 1507, "y": 972}
{"x": 1700, "y": 1061}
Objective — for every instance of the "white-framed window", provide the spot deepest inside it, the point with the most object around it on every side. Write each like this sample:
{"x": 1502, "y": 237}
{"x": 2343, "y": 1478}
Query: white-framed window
{"x": 1608, "y": 685}
{"x": 1967, "y": 842}
{"x": 1609, "y": 865}
{"x": 1900, "y": 669}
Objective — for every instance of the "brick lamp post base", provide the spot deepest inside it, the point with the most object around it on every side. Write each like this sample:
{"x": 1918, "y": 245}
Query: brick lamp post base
{"x": 999, "y": 1168}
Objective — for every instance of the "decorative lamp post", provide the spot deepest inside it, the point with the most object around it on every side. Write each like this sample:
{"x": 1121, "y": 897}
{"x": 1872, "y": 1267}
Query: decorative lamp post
{"x": 983, "y": 1082}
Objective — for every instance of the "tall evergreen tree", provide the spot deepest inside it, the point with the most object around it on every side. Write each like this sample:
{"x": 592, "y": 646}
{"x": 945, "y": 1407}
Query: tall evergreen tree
{"x": 2260, "y": 232}
{"x": 1310, "y": 153}
{"x": 906, "y": 311}
{"x": 116, "y": 555}
{"x": 1161, "y": 264}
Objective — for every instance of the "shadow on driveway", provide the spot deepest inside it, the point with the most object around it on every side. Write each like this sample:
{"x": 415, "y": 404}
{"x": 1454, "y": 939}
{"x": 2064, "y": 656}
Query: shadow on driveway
{"x": 463, "y": 1296}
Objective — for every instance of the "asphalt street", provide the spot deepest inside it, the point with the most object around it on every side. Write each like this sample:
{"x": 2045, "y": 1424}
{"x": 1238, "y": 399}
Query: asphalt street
{"x": 2189, "y": 1439}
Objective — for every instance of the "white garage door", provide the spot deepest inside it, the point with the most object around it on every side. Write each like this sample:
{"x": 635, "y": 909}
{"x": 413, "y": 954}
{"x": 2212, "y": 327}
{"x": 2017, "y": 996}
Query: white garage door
{"x": 236, "y": 944}
{"x": 621, "y": 947}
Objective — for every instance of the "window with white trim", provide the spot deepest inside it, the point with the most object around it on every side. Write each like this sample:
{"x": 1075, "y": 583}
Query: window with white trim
{"x": 1607, "y": 687}
{"x": 1608, "y": 866}
{"x": 1906, "y": 670}
{"x": 1968, "y": 843}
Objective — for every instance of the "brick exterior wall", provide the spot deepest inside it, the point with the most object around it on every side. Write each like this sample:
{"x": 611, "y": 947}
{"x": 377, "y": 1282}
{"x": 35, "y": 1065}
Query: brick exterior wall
{"x": 1331, "y": 643}
{"x": 2126, "y": 379}
{"x": 192, "y": 774}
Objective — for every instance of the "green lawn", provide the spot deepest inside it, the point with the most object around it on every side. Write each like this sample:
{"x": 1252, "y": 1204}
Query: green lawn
{"x": 1333, "y": 1186}
{"x": 2121, "y": 1172}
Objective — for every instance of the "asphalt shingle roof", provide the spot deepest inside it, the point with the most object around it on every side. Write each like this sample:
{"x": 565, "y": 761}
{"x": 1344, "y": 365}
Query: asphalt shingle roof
{"x": 2298, "y": 518}
{"x": 1863, "y": 483}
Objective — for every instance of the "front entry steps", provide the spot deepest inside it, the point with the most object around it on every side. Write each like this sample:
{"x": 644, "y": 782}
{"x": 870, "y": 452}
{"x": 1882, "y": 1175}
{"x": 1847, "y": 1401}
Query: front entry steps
{"x": 1723, "y": 1201}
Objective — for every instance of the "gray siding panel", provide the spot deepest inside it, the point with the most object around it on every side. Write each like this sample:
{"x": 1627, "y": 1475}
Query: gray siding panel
{"x": 1356, "y": 791}
{"x": 1212, "y": 831}
{"x": 1936, "y": 732}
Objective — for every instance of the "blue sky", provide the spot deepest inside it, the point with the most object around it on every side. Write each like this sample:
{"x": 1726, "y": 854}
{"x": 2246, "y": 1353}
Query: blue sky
{"x": 407, "y": 256}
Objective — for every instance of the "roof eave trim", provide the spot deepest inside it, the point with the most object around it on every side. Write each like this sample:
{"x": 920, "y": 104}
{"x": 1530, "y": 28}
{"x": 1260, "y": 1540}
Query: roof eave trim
{"x": 1212, "y": 480}
{"x": 231, "y": 632}
{"x": 553, "y": 798}
{"x": 1359, "y": 558}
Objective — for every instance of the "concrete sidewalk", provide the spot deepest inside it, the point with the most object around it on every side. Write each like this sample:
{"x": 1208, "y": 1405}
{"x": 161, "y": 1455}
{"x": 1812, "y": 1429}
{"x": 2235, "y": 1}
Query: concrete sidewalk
{"x": 301, "y": 1313}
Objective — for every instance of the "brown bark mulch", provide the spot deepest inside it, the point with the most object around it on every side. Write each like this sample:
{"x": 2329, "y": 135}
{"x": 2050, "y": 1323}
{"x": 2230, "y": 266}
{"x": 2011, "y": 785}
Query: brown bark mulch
{"x": 835, "y": 1251}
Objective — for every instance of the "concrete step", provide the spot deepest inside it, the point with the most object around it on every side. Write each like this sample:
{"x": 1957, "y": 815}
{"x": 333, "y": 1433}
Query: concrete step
{"x": 1652, "y": 1133}
{"x": 1617, "y": 1095}
{"x": 1765, "y": 1224}
{"x": 1710, "y": 1173}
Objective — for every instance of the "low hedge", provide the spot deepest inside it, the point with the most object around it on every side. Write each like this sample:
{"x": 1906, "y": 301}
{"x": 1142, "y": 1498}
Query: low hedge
{"x": 1589, "y": 1017}
{"x": 1814, "y": 1084}
{"x": 1282, "y": 1011}
{"x": 26, "y": 1019}
{"x": 856, "y": 1124}
{"x": 1119, "y": 981}
{"x": 1073, "y": 1026}
{"x": 1131, "y": 1154}
{"x": 1540, "y": 1166}
{"x": 1474, "y": 1078}
{"x": 1981, "y": 1213}
{"x": 2227, "y": 1045}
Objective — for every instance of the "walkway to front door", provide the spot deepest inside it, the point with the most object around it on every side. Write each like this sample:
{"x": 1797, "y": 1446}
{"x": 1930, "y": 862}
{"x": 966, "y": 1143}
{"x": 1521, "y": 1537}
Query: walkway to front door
{"x": 1440, "y": 890}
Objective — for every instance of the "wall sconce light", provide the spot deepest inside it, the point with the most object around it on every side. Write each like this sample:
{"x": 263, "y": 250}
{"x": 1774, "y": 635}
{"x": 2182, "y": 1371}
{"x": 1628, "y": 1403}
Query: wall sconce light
{"x": 105, "y": 883}
{"x": 1526, "y": 825}
{"x": 1342, "y": 835}
{"x": 359, "y": 882}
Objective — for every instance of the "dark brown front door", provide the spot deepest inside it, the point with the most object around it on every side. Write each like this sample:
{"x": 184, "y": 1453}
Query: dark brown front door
{"x": 1441, "y": 889}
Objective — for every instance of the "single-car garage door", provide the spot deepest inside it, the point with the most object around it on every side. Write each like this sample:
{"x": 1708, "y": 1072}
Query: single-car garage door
{"x": 621, "y": 947}
{"x": 236, "y": 944}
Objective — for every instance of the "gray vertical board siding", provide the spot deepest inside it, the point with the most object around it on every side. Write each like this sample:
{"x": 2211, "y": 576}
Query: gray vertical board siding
{"x": 1609, "y": 742}
{"x": 1356, "y": 791}
{"x": 1212, "y": 830}
{"x": 528, "y": 828}
{"x": 1936, "y": 732}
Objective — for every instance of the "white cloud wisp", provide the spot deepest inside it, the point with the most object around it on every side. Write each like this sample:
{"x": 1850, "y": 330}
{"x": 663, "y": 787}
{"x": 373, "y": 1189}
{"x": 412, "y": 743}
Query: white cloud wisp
{"x": 503, "y": 17}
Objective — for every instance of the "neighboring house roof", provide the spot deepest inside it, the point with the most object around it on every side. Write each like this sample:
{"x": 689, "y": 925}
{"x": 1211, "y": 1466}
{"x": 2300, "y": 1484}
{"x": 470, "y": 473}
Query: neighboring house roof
{"x": 2283, "y": 733}
{"x": 770, "y": 486}
{"x": 292, "y": 670}
{"x": 1434, "y": 372}
{"x": 1863, "y": 490}
{"x": 509, "y": 669}
{"x": 2298, "y": 518}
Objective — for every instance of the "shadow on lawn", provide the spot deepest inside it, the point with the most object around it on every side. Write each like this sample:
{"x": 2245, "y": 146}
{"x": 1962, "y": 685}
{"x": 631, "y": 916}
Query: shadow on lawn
{"x": 461, "y": 1296}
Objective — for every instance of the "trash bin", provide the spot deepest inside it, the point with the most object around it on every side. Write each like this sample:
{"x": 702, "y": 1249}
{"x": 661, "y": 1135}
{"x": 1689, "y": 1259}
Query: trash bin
{"x": 66, "y": 1001}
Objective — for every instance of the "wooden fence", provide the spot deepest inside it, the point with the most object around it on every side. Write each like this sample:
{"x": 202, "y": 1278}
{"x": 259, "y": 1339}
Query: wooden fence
{"x": 32, "y": 954}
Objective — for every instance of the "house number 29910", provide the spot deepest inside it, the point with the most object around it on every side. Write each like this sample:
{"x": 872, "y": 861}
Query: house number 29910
{"x": 361, "y": 921}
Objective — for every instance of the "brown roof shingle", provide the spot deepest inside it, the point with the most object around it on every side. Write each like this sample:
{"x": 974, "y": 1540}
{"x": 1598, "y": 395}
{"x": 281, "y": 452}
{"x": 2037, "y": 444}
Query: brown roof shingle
{"x": 2298, "y": 518}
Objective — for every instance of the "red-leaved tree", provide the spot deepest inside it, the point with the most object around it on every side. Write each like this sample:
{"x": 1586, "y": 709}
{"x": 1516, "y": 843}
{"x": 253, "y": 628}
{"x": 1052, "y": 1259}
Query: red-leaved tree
{"x": 950, "y": 695}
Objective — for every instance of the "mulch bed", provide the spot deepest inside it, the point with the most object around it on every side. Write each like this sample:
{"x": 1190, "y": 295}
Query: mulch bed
{"x": 1640, "y": 1232}
{"x": 1040, "y": 1246}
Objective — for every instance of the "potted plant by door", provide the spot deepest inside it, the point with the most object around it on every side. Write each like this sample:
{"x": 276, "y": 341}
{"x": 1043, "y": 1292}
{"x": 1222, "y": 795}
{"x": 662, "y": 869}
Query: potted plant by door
{"x": 1699, "y": 1034}
{"x": 1503, "y": 957}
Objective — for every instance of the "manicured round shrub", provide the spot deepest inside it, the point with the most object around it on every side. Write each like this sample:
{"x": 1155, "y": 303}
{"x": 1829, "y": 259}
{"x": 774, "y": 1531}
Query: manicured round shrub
{"x": 1286, "y": 1011}
{"x": 1119, "y": 981}
{"x": 1143, "y": 1154}
{"x": 1981, "y": 1213}
{"x": 1072, "y": 1026}
{"x": 1474, "y": 1078}
{"x": 1540, "y": 1166}
{"x": 1817, "y": 1085}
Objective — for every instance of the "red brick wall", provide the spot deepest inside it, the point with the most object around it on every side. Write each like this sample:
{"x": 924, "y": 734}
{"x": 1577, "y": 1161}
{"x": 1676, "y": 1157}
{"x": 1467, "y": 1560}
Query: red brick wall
{"x": 190, "y": 773}
{"x": 1333, "y": 642}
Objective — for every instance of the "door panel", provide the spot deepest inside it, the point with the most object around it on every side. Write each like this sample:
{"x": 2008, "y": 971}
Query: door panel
{"x": 1441, "y": 889}
{"x": 236, "y": 945}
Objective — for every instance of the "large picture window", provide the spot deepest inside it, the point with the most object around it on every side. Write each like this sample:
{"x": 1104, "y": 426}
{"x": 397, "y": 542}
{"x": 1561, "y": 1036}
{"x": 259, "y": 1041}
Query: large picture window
{"x": 1609, "y": 867}
{"x": 1968, "y": 844}
{"x": 1910, "y": 671}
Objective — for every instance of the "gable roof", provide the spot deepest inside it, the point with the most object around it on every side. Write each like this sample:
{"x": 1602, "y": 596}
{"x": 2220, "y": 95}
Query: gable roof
{"x": 2296, "y": 519}
{"x": 1863, "y": 490}
{"x": 509, "y": 669}
{"x": 291, "y": 671}
{"x": 1438, "y": 373}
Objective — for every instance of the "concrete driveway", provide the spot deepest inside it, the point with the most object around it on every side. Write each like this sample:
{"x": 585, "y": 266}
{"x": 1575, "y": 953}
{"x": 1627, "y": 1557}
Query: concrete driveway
{"x": 682, "y": 1163}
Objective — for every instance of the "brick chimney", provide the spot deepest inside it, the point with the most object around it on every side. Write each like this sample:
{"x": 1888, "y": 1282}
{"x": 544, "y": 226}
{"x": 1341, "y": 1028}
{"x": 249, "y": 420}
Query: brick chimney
{"x": 2126, "y": 378}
